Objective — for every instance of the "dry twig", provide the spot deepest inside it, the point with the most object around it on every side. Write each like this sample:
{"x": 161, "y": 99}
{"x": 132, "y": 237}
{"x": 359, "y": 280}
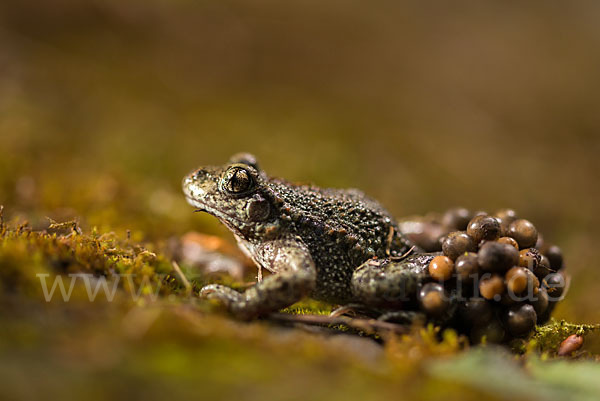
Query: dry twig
{"x": 367, "y": 325}
{"x": 184, "y": 280}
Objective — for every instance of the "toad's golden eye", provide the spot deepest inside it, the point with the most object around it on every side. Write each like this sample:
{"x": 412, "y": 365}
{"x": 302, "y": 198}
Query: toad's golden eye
{"x": 237, "y": 180}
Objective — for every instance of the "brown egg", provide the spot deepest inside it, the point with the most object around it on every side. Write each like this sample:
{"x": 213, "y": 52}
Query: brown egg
{"x": 497, "y": 257}
{"x": 467, "y": 267}
{"x": 543, "y": 268}
{"x": 555, "y": 284}
{"x": 554, "y": 255}
{"x": 433, "y": 299}
{"x": 457, "y": 219}
{"x": 530, "y": 258}
{"x": 492, "y": 332}
{"x": 441, "y": 268}
{"x": 540, "y": 244}
{"x": 483, "y": 227}
{"x": 520, "y": 320}
{"x": 425, "y": 234}
{"x": 540, "y": 304}
{"x": 524, "y": 232}
{"x": 517, "y": 280}
{"x": 457, "y": 243}
{"x": 534, "y": 281}
{"x": 492, "y": 287}
{"x": 475, "y": 311}
{"x": 509, "y": 241}
{"x": 505, "y": 216}
{"x": 510, "y": 299}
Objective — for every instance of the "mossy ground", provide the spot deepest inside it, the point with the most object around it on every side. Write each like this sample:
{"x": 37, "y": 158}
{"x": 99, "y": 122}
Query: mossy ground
{"x": 154, "y": 338}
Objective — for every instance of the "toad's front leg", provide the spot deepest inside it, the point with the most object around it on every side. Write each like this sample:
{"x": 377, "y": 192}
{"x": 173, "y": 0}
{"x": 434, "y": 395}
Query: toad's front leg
{"x": 295, "y": 277}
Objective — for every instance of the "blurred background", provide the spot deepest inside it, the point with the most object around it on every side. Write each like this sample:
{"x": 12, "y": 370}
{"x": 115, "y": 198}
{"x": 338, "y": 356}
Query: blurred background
{"x": 425, "y": 105}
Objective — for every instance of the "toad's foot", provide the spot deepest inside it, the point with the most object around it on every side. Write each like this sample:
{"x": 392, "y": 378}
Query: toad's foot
{"x": 227, "y": 296}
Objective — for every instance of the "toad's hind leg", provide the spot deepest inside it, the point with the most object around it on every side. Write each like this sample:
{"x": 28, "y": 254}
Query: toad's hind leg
{"x": 295, "y": 277}
{"x": 390, "y": 283}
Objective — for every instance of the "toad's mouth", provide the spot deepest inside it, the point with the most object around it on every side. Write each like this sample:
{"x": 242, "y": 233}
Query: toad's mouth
{"x": 230, "y": 221}
{"x": 203, "y": 207}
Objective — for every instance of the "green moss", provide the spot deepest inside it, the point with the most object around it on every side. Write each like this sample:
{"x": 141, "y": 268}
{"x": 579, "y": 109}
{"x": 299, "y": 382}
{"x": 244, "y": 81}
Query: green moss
{"x": 27, "y": 255}
{"x": 547, "y": 338}
{"x": 309, "y": 306}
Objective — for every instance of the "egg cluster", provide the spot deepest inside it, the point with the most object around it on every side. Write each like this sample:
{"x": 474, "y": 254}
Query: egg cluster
{"x": 495, "y": 277}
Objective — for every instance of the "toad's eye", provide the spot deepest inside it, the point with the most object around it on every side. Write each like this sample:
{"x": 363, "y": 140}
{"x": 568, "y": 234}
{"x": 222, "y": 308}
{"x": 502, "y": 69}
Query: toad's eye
{"x": 237, "y": 180}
